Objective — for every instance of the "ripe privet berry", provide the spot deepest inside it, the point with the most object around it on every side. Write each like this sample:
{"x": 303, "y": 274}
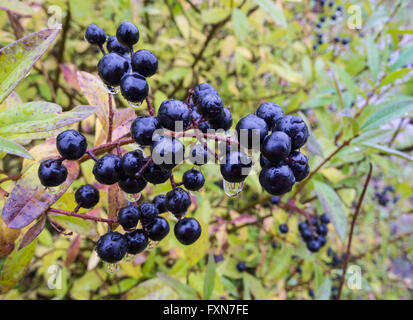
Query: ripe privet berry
{"x": 52, "y": 173}
{"x": 210, "y": 105}
{"x": 345, "y": 41}
{"x": 283, "y": 228}
{"x": 167, "y": 152}
{"x": 132, "y": 162}
{"x": 237, "y": 166}
{"x": 145, "y": 63}
{"x": 95, "y": 35}
{"x": 174, "y": 113}
{"x": 274, "y": 245}
{"x": 199, "y": 155}
{"x": 275, "y": 200}
{"x": 313, "y": 245}
{"x": 201, "y": 90}
{"x": 251, "y": 131}
{"x": 143, "y": 128}
{"x": 277, "y": 179}
{"x": 307, "y": 234}
{"x": 158, "y": 229}
{"x": 137, "y": 241}
{"x": 112, "y": 247}
{"x": 264, "y": 161}
{"x": 111, "y": 68}
{"x": 193, "y": 180}
{"x": 134, "y": 87}
{"x": 276, "y": 146}
{"x": 322, "y": 229}
{"x": 107, "y": 169}
{"x": 337, "y": 39}
{"x": 223, "y": 121}
{"x": 156, "y": 174}
{"x": 204, "y": 126}
{"x": 298, "y": 162}
{"x": 241, "y": 266}
{"x": 87, "y": 196}
{"x": 159, "y": 203}
{"x": 129, "y": 216}
{"x": 127, "y": 33}
{"x": 71, "y": 144}
{"x": 113, "y": 45}
{"x": 132, "y": 184}
{"x": 187, "y": 230}
{"x": 177, "y": 201}
{"x": 270, "y": 112}
{"x": 148, "y": 213}
{"x": 324, "y": 219}
{"x": 295, "y": 128}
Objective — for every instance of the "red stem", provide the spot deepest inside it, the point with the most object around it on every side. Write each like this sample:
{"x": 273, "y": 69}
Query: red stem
{"x": 140, "y": 172}
{"x": 150, "y": 107}
{"x": 81, "y": 216}
{"x": 111, "y": 114}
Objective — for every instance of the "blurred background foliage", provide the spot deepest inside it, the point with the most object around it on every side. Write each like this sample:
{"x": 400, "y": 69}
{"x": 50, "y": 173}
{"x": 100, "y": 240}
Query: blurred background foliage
{"x": 356, "y": 98}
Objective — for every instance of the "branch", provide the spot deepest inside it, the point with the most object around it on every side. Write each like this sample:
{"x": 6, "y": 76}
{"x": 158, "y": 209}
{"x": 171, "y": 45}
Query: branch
{"x": 85, "y": 216}
{"x": 111, "y": 114}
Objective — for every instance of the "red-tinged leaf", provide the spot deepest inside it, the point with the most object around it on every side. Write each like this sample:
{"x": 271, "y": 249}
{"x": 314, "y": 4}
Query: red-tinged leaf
{"x": 33, "y": 232}
{"x": 73, "y": 251}
{"x": 28, "y": 200}
{"x": 7, "y": 238}
{"x": 69, "y": 72}
{"x": 244, "y": 218}
{"x": 123, "y": 121}
{"x": 17, "y": 58}
{"x": 116, "y": 200}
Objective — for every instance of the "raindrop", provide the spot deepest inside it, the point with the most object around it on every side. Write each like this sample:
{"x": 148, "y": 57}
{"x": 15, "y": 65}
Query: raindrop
{"x": 112, "y": 268}
{"x": 129, "y": 257}
{"x": 112, "y": 90}
{"x": 134, "y": 105}
{"x": 54, "y": 190}
{"x": 233, "y": 189}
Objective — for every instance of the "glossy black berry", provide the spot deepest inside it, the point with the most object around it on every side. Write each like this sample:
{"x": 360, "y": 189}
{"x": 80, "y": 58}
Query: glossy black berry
{"x": 174, "y": 113}
{"x": 302, "y": 226}
{"x": 295, "y": 128}
{"x": 112, "y": 247}
{"x": 71, "y": 144}
{"x": 177, "y": 201}
{"x": 204, "y": 126}
{"x": 339, "y": 8}
{"x": 131, "y": 162}
{"x": 95, "y": 35}
{"x": 127, "y": 33}
{"x": 159, "y": 203}
{"x": 134, "y": 87}
{"x": 274, "y": 245}
{"x": 283, "y": 228}
{"x": 264, "y": 161}
{"x": 298, "y": 162}
{"x": 132, "y": 184}
{"x": 187, "y": 230}
{"x": 210, "y": 105}
{"x": 277, "y": 179}
{"x": 345, "y": 41}
{"x": 87, "y": 196}
{"x": 113, "y": 45}
{"x": 313, "y": 245}
{"x": 193, "y": 180}
{"x": 241, "y": 266}
{"x": 195, "y": 114}
{"x": 167, "y": 152}
{"x": 137, "y": 241}
{"x": 270, "y": 112}
{"x": 145, "y": 63}
{"x": 322, "y": 229}
{"x": 307, "y": 234}
{"x": 251, "y": 131}
{"x": 315, "y": 47}
{"x": 336, "y": 39}
{"x": 334, "y": 17}
{"x": 156, "y": 174}
{"x": 322, "y": 240}
{"x": 322, "y": 19}
{"x": 199, "y": 155}
{"x": 111, "y": 68}
{"x": 52, "y": 173}
{"x": 128, "y": 217}
{"x": 237, "y": 166}
{"x": 107, "y": 169}
{"x": 324, "y": 219}
{"x": 201, "y": 90}
{"x": 148, "y": 213}
{"x": 158, "y": 229}
{"x": 275, "y": 200}
{"x": 318, "y": 25}
{"x": 223, "y": 121}
{"x": 276, "y": 146}
{"x": 143, "y": 129}
{"x": 320, "y": 41}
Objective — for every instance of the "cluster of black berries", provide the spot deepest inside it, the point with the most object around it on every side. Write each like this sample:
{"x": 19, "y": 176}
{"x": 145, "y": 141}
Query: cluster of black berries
{"x": 121, "y": 66}
{"x": 335, "y": 12}
{"x": 314, "y": 234}
{"x": 383, "y": 197}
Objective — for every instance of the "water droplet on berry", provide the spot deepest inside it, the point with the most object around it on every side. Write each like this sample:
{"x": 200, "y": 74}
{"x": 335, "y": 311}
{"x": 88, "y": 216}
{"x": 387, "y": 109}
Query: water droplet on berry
{"x": 129, "y": 257}
{"x": 54, "y": 190}
{"x": 152, "y": 245}
{"x": 135, "y": 105}
{"x": 112, "y": 268}
{"x": 233, "y": 189}
{"x": 112, "y": 90}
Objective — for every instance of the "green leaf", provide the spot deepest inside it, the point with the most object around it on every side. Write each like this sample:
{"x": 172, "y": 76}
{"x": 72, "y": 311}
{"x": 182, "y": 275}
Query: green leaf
{"x": 384, "y": 149}
{"x": 90, "y": 281}
{"x": 209, "y": 277}
{"x": 323, "y": 293}
{"x": 405, "y": 57}
{"x": 153, "y": 289}
{"x": 186, "y": 292}
{"x": 17, "y": 58}
{"x": 16, "y": 266}
{"x": 214, "y": 15}
{"x": 276, "y": 13}
{"x": 393, "y": 76}
{"x": 333, "y": 207}
{"x": 255, "y": 286}
{"x": 387, "y": 112}
{"x": 77, "y": 225}
{"x": 16, "y": 7}
{"x": 240, "y": 23}
{"x": 14, "y": 148}
{"x": 372, "y": 57}
{"x": 347, "y": 80}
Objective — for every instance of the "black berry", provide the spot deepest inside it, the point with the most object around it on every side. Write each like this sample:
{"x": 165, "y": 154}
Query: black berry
{"x": 143, "y": 128}
{"x": 111, "y": 68}
{"x": 112, "y": 247}
{"x": 270, "y": 112}
{"x": 201, "y": 90}
{"x": 277, "y": 180}
{"x": 156, "y": 174}
{"x": 134, "y": 87}
{"x": 95, "y": 35}
{"x": 276, "y": 146}
{"x": 283, "y": 228}
{"x": 241, "y": 266}
{"x": 295, "y": 128}
{"x": 113, "y": 45}
{"x": 210, "y": 105}
{"x": 87, "y": 196}
{"x": 298, "y": 162}
{"x": 313, "y": 245}
{"x": 128, "y": 217}
{"x": 275, "y": 200}
{"x": 193, "y": 180}
{"x": 52, "y": 173}
{"x": 324, "y": 219}
{"x": 137, "y": 241}
{"x": 174, "y": 113}
{"x": 127, "y": 33}
{"x": 251, "y": 131}
{"x": 199, "y": 155}
{"x": 71, "y": 144}
{"x": 237, "y": 166}
{"x": 187, "y": 230}
{"x": 167, "y": 152}
{"x": 132, "y": 162}
{"x": 107, "y": 169}
{"x": 158, "y": 229}
{"x": 148, "y": 213}
{"x": 223, "y": 121}
{"x": 177, "y": 201}
{"x": 145, "y": 63}
{"x": 159, "y": 203}
{"x": 132, "y": 184}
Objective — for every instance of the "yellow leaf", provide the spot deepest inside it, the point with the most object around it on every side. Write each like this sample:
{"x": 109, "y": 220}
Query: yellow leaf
{"x": 332, "y": 174}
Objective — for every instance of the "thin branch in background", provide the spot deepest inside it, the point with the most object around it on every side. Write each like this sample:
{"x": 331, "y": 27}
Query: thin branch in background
{"x": 53, "y": 211}
{"x": 150, "y": 107}
{"x": 353, "y": 223}
{"x": 396, "y": 133}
